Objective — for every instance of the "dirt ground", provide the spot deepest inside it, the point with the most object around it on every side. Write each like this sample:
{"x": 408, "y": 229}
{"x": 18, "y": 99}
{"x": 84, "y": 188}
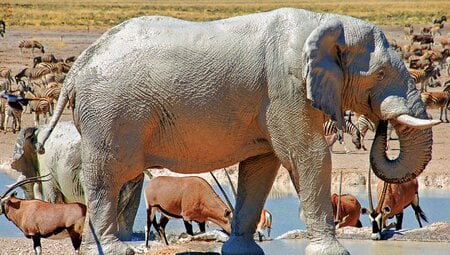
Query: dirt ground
{"x": 354, "y": 165}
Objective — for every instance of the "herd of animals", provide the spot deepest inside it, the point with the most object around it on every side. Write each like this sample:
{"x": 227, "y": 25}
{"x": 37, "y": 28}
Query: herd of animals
{"x": 37, "y": 88}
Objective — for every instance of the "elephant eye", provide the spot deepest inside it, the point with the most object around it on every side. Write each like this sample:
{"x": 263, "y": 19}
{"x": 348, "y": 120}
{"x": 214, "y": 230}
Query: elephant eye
{"x": 380, "y": 75}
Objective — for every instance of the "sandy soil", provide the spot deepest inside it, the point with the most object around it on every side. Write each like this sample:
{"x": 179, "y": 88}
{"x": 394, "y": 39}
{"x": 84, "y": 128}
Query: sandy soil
{"x": 65, "y": 43}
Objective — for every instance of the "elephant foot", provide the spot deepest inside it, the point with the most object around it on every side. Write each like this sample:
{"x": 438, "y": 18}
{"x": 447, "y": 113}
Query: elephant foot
{"x": 240, "y": 245}
{"x": 113, "y": 247}
{"x": 325, "y": 248}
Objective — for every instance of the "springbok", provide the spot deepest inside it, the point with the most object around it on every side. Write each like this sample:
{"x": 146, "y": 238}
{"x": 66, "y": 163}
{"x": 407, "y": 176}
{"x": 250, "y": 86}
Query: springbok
{"x": 191, "y": 198}
{"x": 391, "y": 200}
{"x": 346, "y": 209}
{"x": 38, "y": 219}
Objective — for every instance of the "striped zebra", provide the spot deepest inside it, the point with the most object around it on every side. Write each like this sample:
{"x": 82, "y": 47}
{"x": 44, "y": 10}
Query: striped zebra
{"x": 31, "y": 44}
{"x": 437, "y": 100}
{"x": 423, "y": 76}
{"x": 48, "y": 58}
{"x": 332, "y": 134}
{"x": 38, "y": 106}
{"x": 58, "y": 67}
{"x": 11, "y": 108}
{"x": 32, "y": 74}
{"x": 364, "y": 125}
{"x": 5, "y": 72}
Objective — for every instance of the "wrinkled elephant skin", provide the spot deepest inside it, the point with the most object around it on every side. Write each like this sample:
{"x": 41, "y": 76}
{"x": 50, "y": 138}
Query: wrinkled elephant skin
{"x": 255, "y": 89}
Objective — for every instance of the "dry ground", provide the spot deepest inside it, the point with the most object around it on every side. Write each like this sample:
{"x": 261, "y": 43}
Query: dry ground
{"x": 65, "y": 43}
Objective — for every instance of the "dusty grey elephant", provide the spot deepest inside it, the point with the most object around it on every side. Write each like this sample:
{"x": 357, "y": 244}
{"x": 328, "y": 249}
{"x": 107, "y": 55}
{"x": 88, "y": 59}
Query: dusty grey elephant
{"x": 198, "y": 96}
{"x": 63, "y": 161}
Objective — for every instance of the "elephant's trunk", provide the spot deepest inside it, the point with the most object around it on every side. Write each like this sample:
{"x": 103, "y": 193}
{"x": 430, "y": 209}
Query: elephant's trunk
{"x": 415, "y": 152}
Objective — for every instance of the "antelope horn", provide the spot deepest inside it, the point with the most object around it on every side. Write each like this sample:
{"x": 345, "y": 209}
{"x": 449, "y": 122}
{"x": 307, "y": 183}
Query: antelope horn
{"x": 338, "y": 209}
{"x": 223, "y": 192}
{"x": 233, "y": 189}
{"x": 369, "y": 192}
{"x": 28, "y": 180}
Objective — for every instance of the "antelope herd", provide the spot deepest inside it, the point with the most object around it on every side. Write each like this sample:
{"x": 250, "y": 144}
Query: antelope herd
{"x": 36, "y": 87}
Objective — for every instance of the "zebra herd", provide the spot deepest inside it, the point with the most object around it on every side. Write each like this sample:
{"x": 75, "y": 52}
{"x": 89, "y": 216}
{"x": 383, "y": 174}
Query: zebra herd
{"x": 33, "y": 89}
{"x": 357, "y": 130}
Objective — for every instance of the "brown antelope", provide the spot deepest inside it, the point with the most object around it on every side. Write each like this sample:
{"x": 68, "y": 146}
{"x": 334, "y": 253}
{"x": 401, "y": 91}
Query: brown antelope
{"x": 265, "y": 222}
{"x": 38, "y": 219}
{"x": 190, "y": 198}
{"x": 391, "y": 200}
{"x": 346, "y": 209}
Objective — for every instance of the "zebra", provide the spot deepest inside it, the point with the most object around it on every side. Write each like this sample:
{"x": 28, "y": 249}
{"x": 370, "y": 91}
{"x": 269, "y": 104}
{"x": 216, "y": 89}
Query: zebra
{"x": 38, "y": 106}
{"x": 32, "y": 74}
{"x": 423, "y": 76}
{"x": 332, "y": 134}
{"x": 48, "y": 58}
{"x": 364, "y": 124}
{"x": 58, "y": 67}
{"x": 11, "y": 106}
{"x": 440, "y": 20}
{"x": 31, "y": 44}
{"x": 439, "y": 99}
{"x": 2, "y": 28}
{"x": 5, "y": 72}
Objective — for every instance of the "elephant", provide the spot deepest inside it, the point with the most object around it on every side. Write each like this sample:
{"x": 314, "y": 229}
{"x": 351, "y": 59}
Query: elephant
{"x": 192, "y": 97}
{"x": 63, "y": 162}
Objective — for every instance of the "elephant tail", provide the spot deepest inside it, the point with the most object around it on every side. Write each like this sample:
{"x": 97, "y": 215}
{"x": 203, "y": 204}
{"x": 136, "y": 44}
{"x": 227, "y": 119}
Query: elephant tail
{"x": 62, "y": 102}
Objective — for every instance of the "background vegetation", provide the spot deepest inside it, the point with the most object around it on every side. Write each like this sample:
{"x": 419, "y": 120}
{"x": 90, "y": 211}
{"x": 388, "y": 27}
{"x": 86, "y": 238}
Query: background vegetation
{"x": 104, "y": 13}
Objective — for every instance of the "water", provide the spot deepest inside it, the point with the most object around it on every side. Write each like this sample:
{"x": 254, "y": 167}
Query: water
{"x": 435, "y": 203}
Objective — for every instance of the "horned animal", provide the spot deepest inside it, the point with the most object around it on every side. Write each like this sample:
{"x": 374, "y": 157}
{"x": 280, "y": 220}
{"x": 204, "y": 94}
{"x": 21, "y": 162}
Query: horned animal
{"x": 38, "y": 219}
{"x": 346, "y": 209}
{"x": 265, "y": 222}
{"x": 391, "y": 200}
{"x": 189, "y": 198}
{"x": 437, "y": 99}
{"x": 31, "y": 44}
{"x": 349, "y": 210}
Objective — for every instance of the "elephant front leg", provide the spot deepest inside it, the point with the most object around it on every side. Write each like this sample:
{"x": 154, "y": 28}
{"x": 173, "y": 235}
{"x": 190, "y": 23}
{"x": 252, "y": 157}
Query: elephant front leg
{"x": 311, "y": 175}
{"x": 256, "y": 176}
{"x": 100, "y": 234}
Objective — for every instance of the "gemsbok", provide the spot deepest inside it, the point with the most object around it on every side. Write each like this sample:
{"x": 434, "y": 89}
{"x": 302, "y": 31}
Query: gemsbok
{"x": 190, "y": 198}
{"x": 39, "y": 219}
{"x": 346, "y": 209}
{"x": 391, "y": 200}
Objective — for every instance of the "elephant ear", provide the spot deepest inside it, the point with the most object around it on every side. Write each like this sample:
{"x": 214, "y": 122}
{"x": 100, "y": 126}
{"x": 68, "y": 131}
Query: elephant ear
{"x": 322, "y": 70}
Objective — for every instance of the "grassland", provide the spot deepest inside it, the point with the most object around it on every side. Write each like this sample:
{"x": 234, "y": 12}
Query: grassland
{"x": 103, "y": 13}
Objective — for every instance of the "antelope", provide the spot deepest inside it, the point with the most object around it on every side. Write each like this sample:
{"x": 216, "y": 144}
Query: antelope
{"x": 438, "y": 99}
{"x": 265, "y": 222}
{"x": 190, "y": 198}
{"x": 391, "y": 200}
{"x": 346, "y": 209}
{"x": 38, "y": 219}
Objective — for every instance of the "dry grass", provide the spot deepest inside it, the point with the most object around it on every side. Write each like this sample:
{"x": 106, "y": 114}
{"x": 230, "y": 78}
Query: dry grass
{"x": 103, "y": 13}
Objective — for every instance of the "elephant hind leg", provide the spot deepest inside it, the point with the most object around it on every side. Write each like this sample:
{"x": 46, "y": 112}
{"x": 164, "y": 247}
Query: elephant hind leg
{"x": 256, "y": 177}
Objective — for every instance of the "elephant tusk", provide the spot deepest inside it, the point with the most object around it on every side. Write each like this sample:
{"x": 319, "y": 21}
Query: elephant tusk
{"x": 413, "y": 122}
